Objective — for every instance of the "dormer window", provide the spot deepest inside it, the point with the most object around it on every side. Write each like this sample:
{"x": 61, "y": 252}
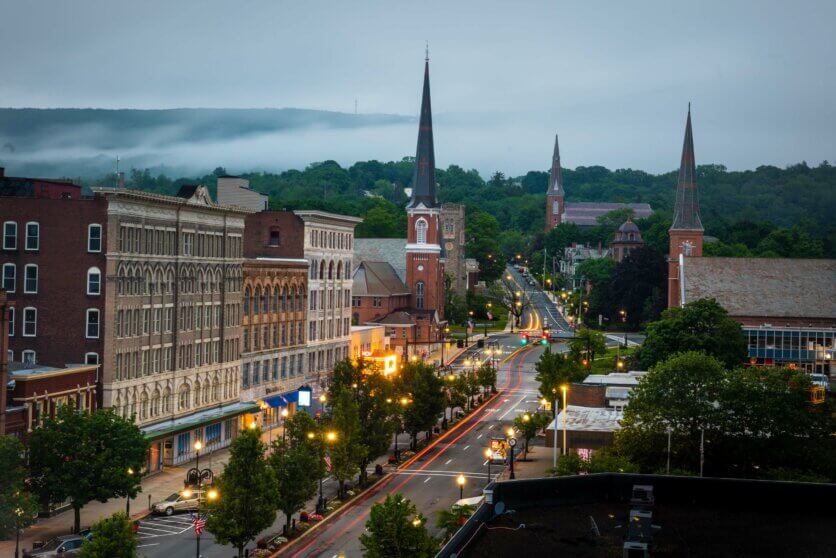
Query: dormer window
{"x": 274, "y": 238}
{"x": 421, "y": 231}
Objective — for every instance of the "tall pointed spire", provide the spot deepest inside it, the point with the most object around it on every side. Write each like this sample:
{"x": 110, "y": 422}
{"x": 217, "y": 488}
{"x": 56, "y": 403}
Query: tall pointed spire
{"x": 556, "y": 177}
{"x": 687, "y": 208}
{"x": 423, "y": 181}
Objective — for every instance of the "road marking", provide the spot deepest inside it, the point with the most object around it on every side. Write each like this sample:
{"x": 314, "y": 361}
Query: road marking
{"x": 150, "y": 544}
{"x": 509, "y": 411}
{"x": 467, "y": 446}
{"x": 427, "y": 480}
{"x": 479, "y": 436}
{"x": 491, "y": 427}
{"x": 448, "y": 461}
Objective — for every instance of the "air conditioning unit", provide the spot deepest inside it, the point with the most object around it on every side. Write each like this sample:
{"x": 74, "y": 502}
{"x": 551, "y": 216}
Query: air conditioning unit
{"x": 635, "y": 550}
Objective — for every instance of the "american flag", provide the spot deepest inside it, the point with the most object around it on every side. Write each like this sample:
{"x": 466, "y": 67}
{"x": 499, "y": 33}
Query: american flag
{"x": 199, "y": 522}
{"x": 328, "y": 462}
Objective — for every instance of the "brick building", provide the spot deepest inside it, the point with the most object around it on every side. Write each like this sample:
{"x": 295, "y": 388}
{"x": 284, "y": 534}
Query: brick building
{"x": 628, "y": 237}
{"x": 148, "y": 286}
{"x": 273, "y": 344}
{"x": 786, "y": 306}
{"x": 452, "y": 231}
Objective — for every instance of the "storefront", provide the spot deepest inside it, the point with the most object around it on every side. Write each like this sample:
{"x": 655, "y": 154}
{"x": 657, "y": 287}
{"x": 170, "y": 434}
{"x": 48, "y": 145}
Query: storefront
{"x": 173, "y": 441}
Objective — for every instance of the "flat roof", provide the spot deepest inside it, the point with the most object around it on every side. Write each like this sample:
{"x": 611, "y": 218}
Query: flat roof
{"x": 589, "y": 419}
{"x": 196, "y": 419}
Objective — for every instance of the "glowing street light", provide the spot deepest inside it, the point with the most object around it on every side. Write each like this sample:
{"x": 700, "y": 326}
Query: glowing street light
{"x": 460, "y": 480}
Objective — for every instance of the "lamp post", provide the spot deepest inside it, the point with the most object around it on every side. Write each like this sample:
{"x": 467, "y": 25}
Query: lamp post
{"x": 460, "y": 480}
{"x": 18, "y": 515}
{"x": 512, "y": 442}
{"x": 198, "y": 445}
{"x": 322, "y": 399}
{"x": 128, "y": 496}
{"x": 211, "y": 496}
{"x": 404, "y": 402}
{"x": 330, "y": 437}
{"x": 489, "y": 456}
{"x": 564, "y": 388}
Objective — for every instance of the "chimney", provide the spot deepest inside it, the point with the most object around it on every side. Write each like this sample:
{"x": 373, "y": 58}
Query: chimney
{"x": 121, "y": 183}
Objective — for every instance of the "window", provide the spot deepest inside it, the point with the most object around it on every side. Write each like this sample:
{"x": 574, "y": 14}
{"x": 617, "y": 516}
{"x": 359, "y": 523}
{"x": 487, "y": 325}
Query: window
{"x": 28, "y": 356}
{"x": 421, "y": 231}
{"x": 11, "y": 322}
{"x": 419, "y": 294}
{"x": 188, "y": 243}
{"x": 33, "y": 236}
{"x": 91, "y": 358}
{"x": 92, "y": 323}
{"x": 9, "y": 277}
{"x": 377, "y": 302}
{"x": 30, "y": 321}
{"x": 94, "y": 238}
{"x": 355, "y": 301}
{"x": 555, "y": 207}
{"x": 94, "y": 281}
{"x": 274, "y": 237}
{"x": 9, "y": 235}
{"x": 30, "y": 279}
{"x": 245, "y": 375}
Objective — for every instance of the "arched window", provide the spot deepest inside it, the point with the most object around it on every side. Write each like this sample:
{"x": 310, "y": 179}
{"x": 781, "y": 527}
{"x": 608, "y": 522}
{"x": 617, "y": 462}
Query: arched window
{"x": 247, "y": 296}
{"x": 419, "y": 294}
{"x": 331, "y": 270}
{"x": 555, "y": 207}
{"x": 257, "y": 300}
{"x": 167, "y": 400}
{"x": 94, "y": 281}
{"x": 291, "y": 299}
{"x": 284, "y": 300}
{"x": 155, "y": 403}
{"x": 143, "y": 406}
{"x": 421, "y": 231}
{"x": 322, "y": 269}
{"x": 275, "y": 299}
{"x": 197, "y": 393}
{"x": 266, "y": 305}
{"x": 183, "y": 397}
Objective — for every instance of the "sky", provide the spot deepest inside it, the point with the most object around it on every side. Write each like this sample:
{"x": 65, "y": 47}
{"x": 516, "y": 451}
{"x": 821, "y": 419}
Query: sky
{"x": 612, "y": 78}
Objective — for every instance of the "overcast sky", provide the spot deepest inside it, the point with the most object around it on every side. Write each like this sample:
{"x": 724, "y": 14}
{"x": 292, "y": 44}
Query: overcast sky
{"x": 612, "y": 78}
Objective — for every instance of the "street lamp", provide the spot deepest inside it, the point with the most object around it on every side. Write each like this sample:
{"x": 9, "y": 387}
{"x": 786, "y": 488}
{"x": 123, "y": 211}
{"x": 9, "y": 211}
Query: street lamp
{"x": 512, "y": 442}
{"x": 128, "y": 496}
{"x": 564, "y": 388}
{"x": 284, "y": 414}
{"x": 322, "y": 400}
{"x": 460, "y": 480}
{"x": 211, "y": 496}
{"x": 198, "y": 445}
{"x": 489, "y": 456}
{"x": 330, "y": 437}
{"x": 404, "y": 402}
{"x": 18, "y": 515}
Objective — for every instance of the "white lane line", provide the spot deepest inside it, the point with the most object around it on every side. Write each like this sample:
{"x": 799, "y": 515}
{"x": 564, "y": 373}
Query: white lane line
{"x": 153, "y": 544}
{"x": 448, "y": 461}
{"x": 491, "y": 427}
{"x": 427, "y": 480}
{"x": 467, "y": 446}
{"x": 509, "y": 411}
{"x": 479, "y": 436}
{"x": 145, "y": 527}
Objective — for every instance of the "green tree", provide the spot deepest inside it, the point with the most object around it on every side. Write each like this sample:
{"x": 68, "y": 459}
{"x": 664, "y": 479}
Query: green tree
{"x": 482, "y": 236}
{"x": 638, "y": 287}
{"x": 586, "y": 344}
{"x": 371, "y": 392}
{"x": 452, "y": 519}
{"x": 702, "y": 325}
{"x": 458, "y": 392}
{"x": 553, "y": 371}
{"x": 347, "y": 450}
{"x": 486, "y": 376}
{"x": 606, "y": 460}
{"x": 297, "y": 471}
{"x": 396, "y": 530}
{"x": 427, "y": 398}
{"x": 528, "y": 424}
{"x": 18, "y": 509}
{"x": 247, "y": 494}
{"x": 80, "y": 457}
{"x": 112, "y": 537}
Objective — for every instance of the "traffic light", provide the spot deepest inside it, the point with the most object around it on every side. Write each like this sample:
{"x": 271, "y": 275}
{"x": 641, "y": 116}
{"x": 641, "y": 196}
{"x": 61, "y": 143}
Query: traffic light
{"x": 523, "y": 339}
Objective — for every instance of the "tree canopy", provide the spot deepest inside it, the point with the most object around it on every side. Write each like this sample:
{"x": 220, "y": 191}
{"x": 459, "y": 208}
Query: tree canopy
{"x": 396, "y": 530}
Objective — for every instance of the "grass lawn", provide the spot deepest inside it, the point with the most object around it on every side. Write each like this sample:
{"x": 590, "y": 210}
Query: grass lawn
{"x": 605, "y": 363}
{"x": 498, "y": 324}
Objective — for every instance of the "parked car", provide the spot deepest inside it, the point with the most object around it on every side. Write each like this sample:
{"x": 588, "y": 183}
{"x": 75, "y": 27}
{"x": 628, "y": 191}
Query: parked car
{"x": 59, "y": 547}
{"x": 179, "y": 501}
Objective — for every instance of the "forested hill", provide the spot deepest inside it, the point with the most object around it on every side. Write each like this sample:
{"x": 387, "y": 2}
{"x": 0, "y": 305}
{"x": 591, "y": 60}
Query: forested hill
{"x": 797, "y": 196}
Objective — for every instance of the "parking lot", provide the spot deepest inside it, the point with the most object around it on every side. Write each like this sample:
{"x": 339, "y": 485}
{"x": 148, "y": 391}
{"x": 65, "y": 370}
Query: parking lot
{"x": 161, "y": 526}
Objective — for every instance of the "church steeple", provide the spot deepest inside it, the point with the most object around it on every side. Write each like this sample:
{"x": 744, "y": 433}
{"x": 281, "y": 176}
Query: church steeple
{"x": 556, "y": 177}
{"x": 423, "y": 181}
{"x": 687, "y": 208}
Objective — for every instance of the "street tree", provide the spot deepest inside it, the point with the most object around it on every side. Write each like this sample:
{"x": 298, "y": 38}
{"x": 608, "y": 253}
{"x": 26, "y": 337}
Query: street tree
{"x": 18, "y": 509}
{"x": 79, "y": 457}
{"x": 396, "y": 530}
{"x": 373, "y": 394}
{"x": 702, "y": 325}
{"x": 112, "y": 537}
{"x": 456, "y": 392}
{"x": 247, "y": 494}
{"x": 296, "y": 469}
{"x": 553, "y": 371}
{"x": 504, "y": 295}
{"x": 586, "y": 344}
{"x": 486, "y": 376}
{"x": 528, "y": 424}
{"x": 346, "y": 450}
{"x": 427, "y": 398}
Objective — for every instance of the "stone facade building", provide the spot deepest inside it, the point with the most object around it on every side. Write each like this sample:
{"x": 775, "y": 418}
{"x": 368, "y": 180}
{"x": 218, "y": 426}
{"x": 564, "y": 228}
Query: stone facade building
{"x": 452, "y": 230}
{"x": 627, "y": 238}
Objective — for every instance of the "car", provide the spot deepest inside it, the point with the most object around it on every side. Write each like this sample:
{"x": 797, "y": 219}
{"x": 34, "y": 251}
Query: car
{"x": 188, "y": 500}
{"x": 62, "y": 546}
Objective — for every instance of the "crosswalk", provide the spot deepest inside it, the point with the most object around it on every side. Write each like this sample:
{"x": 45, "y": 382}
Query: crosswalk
{"x": 165, "y": 526}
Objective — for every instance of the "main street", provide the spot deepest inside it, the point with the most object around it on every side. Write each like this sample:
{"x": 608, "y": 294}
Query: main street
{"x": 429, "y": 481}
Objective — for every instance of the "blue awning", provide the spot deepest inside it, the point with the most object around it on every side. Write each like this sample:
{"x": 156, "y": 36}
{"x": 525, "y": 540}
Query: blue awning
{"x": 282, "y": 399}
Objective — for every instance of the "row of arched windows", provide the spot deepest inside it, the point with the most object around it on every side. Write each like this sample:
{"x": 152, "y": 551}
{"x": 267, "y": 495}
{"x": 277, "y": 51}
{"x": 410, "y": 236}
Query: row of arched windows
{"x": 322, "y": 269}
{"x": 330, "y": 239}
{"x": 138, "y": 279}
{"x": 266, "y": 300}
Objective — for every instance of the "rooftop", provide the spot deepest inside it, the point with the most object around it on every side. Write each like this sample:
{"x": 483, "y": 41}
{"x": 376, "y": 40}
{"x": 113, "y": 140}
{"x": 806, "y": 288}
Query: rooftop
{"x": 389, "y": 250}
{"x": 764, "y": 287}
{"x": 589, "y": 419}
{"x": 630, "y": 378}
{"x": 587, "y": 213}
{"x": 377, "y": 279}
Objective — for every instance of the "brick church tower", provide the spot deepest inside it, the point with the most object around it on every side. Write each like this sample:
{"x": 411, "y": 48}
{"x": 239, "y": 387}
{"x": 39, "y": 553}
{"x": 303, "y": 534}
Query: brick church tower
{"x": 555, "y": 194}
{"x": 687, "y": 231}
{"x": 424, "y": 255}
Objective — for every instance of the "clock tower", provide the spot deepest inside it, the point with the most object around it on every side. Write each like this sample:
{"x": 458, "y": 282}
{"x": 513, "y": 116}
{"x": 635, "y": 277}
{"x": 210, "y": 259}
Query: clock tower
{"x": 424, "y": 253}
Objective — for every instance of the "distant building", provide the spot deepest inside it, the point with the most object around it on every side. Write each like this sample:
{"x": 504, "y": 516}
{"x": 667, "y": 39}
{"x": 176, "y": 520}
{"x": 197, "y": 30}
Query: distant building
{"x": 627, "y": 238}
{"x": 371, "y": 344}
{"x": 786, "y": 306}
{"x": 452, "y": 231}
{"x": 575, "y": 255}
{"x": 583, "y": 214}
{"x": 234, "y": 190}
